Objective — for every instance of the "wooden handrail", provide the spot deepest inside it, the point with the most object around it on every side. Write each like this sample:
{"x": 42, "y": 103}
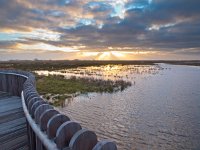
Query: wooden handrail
{"x": 44, "y": 125}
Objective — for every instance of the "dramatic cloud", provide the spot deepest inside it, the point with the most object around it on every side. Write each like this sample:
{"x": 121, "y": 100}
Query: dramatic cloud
{"x": 109, "y": 29}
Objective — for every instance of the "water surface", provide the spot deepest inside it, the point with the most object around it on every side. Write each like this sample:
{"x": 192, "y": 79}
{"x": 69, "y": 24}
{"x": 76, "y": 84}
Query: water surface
{"x": 161, "y": 110}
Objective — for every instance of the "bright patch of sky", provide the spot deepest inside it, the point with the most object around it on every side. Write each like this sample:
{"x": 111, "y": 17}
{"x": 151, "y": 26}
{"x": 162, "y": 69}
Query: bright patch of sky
{"x": 150, "y": 1}
{"x": 98, "y": 6}
{"x": 48, "y": 47}
{"x": 158, "y": 27}
{"x": 10, "y": 37}
{"x": 138, "y": 4}
{"x": 119, "y": 9}
{"x": 86, "y": 22}
{"x": 121, "y": 6}
{"x": 38, "y": 34}
{"x": 67, "y": 1}
{"x": 56, "y": 13}
{"x": 133, "y": 6}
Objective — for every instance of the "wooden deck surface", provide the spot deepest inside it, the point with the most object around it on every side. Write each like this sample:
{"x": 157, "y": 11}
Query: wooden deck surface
{"x": 13, "y": 130}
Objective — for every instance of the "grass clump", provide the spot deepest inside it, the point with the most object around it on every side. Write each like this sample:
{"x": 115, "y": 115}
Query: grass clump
{"x": 60, "y": 99}
{"x": 56, "y": 88}
{"x": 56, "y": 84}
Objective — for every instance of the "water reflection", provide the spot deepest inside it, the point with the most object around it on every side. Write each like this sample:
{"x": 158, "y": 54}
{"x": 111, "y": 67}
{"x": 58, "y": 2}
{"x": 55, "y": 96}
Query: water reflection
{"x": 117, "y": 73}
{"x": 161, "y": 111}
{"x": 107, "y": 72}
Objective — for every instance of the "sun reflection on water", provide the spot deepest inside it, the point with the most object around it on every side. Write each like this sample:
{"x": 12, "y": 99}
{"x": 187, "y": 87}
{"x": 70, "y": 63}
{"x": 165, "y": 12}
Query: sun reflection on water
{"x": 107, "y": 72}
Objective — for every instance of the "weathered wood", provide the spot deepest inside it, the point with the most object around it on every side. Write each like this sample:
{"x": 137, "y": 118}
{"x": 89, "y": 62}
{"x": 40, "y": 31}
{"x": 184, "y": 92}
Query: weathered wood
{"x": 39, "y": 110}
{"x": 83, "y": 140}
{"x": 29, "y": 92}
{"x": 49, "y": 144}
{"x": 4, "y": 95}
{"x": 54, "y": 123}
{"x": 32, "y": 101}
{"x": 13, "y": 130}
{"x": 11, "y": 83}
{"x": 34, "y": 142}
{"x": 105, "y": 145}
{"x": 30, "y": 96}
{"x": 34, "y": 106}
{"x": 45, "y": 117}
{"x": 65, "y": 132}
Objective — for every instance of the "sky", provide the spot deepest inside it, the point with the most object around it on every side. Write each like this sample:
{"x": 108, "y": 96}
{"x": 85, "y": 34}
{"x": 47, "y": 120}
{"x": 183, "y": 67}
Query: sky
{"x": 100, "y": 30}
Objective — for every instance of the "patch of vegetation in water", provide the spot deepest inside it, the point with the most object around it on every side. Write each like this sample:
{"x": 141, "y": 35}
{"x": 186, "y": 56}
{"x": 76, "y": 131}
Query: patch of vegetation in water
{"x": 57, "y": 84}
{"x": 57, "y": 99}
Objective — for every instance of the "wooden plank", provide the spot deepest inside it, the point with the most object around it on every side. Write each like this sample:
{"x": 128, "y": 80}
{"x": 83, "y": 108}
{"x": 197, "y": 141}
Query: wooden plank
{"x": 13, "y": 129}
{"x": 11, "y": 125}
{"x": 16, "y": 113}
{"x": 4, "y": 94}
{"x": 16, "y": 143}
{"x": 9, "y": 108}
{"x": 9, "y": 113}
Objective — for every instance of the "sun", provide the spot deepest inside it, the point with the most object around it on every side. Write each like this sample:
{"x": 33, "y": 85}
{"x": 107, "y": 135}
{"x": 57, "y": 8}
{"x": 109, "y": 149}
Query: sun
{"x": 111, "y": 55}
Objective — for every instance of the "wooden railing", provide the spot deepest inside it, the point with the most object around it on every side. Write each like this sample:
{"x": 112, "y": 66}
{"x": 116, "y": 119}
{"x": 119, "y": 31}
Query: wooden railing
{"x": 46, "y": 127}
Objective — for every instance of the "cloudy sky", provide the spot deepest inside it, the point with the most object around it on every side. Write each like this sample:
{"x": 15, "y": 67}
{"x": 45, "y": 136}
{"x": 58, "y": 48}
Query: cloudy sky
{"x": 101, "y": 29}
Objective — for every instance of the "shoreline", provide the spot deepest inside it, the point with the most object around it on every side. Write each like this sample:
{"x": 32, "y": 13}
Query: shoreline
{"x": 51, "y": 65}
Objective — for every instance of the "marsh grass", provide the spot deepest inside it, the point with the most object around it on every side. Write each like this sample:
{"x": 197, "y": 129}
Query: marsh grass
{"x": 57, "y": 99}
{"x": 57, "y": 84}
{"x": 63, "y": 64}
{"x": 61, "y": 88}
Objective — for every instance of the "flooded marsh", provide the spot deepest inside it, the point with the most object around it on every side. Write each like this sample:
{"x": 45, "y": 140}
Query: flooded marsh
{"x": 160, "y": 110}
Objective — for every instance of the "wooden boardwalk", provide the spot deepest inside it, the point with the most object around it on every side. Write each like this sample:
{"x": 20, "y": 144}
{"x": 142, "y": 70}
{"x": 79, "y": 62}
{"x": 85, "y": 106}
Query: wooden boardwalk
{"x": 13, "y": 130}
